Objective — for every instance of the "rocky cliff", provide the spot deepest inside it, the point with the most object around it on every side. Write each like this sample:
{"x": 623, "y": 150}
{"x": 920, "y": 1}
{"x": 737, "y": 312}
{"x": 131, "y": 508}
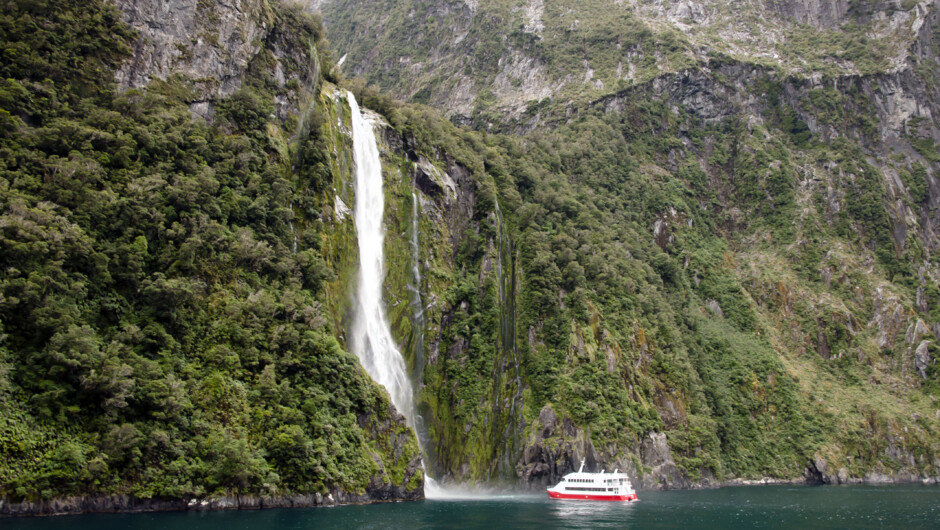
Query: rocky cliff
{"x": 807, "y": 133}
{"x": 825, "y": 142}
{"x": 212, "y": 378}
{"x": 706, "y": 253}
{"x": 209, "y": 43}
{"x": 472, "y": 57}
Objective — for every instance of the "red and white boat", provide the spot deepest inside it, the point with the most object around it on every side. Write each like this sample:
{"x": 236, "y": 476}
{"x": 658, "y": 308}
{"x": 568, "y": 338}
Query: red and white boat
{"x": 594, "y": 486}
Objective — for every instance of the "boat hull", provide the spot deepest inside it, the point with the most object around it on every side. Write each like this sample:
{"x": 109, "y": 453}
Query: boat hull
{"x": 588, "y": 497}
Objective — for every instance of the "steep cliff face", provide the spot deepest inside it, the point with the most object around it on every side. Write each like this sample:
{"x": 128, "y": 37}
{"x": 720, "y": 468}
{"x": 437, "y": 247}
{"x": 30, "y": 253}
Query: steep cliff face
{"x": 474, "y": 58}
{"x": 210, "y": 43}
{"x": 698, "y": 261}
{"x": 808, "y": 142}
{"x": 212, "y": 47}
{"x": 812, "y": 12}
{"x": 449, "y": 259}
{"x": 194, "y": 365}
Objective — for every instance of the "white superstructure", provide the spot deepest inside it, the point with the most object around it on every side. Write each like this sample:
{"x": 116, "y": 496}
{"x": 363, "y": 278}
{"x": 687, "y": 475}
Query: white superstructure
{"x": 594, "y": 486}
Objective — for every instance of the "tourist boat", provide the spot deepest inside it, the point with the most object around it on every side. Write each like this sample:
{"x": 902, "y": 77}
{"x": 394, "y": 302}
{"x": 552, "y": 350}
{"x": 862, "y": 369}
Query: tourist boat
{"x": 594, "y": 486}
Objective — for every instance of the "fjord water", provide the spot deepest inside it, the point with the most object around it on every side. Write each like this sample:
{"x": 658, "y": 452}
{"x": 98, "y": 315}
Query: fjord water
{"x": 902, "y": 506}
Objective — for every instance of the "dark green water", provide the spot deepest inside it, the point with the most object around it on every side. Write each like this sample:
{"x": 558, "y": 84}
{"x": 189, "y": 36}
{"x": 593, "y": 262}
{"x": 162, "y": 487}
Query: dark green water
{"x": 906, "y": 507}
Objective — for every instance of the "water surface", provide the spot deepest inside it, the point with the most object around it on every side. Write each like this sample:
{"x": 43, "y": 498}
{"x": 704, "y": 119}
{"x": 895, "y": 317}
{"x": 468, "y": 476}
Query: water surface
{"x": 897, "y": 506}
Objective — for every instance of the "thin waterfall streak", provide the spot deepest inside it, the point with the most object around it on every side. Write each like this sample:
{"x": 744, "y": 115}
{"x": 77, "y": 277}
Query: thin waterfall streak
{"x": 507, "y": 333}
{"x": 417, "y": 305}
{"x": 290, "y": 222}
{"x": 415, "y": 266}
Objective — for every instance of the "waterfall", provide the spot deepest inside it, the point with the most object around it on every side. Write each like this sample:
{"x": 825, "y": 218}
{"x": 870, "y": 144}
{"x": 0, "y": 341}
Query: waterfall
{"x": 417, "y": 305}
{"x": 371, "y": 338}
{"x": 507, "y": 335}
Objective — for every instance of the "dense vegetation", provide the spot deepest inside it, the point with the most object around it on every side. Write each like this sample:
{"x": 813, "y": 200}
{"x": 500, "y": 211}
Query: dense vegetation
{"x": 173, "y": 290}
{"x": 746, "y": 327}
{"x": 161, "y": 335}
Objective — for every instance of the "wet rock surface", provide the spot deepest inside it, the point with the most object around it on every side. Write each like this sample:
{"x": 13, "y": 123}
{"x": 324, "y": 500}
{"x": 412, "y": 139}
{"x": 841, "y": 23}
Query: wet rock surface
{"x": 127, "y": 504}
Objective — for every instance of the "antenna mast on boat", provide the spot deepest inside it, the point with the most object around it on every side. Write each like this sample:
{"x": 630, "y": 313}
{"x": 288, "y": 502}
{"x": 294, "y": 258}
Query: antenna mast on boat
{"x": 580, "y": 469}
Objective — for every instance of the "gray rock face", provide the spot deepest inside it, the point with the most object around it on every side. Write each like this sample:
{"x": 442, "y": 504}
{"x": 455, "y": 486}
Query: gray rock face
{"x": 922, "y": 358}
{"x": 448, "y": 63}
{"x": 658, "y": 457}
{"x": 557, "y": 447}
{"x": 209, "y": 42}
{"x": 712, "y": 305}
{"x": 816, "y": 13}
{"x": 894, "y": 100}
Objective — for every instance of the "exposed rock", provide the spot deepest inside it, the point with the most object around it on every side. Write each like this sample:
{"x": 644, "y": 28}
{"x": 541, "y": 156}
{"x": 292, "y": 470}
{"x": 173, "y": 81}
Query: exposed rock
{"x": 552, "y": 452}
{"x": 712, "y": 305}
{"x": 689, "y": 12}
{"x": 340, "y": 209}
{"x": 533, "y": 17}
{"x": 922, "y": 358}
{"x": 448, "y": 43}
{"x": 817, "y": 13}
{"x": 655, "y": 452}
{"x": 823, "y": 345}
{"x": 915, "y": 331}
{"x": 548, "y": 420}
{"x": 436, "y": 184}
{"x": 210, "y": 42}
{"x": 125, "y": 503}
{"x": 665, "y": 225}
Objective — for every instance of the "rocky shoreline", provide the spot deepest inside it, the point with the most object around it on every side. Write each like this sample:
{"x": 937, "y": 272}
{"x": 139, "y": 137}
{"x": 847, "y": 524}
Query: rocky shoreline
{"x": 128, "y": 504}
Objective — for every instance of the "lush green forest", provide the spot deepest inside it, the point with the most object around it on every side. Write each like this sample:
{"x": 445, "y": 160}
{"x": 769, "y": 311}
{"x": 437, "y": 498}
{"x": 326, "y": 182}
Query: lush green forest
{"x": 174, "y": 288}
{"x": 159, "y": 335}
{"x": 721, "y": 330}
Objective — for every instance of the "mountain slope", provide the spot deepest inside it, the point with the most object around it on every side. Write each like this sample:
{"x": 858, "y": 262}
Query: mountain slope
{"x": 725, "y": 231}
{"x": 469, "y": 57}
{"x": 723, "y": 269}
{"x": 162, "y": 332}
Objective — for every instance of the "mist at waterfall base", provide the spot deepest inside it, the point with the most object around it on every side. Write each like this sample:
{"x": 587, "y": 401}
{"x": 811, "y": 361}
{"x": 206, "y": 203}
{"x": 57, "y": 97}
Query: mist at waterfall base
{"x": 370, "y": 337}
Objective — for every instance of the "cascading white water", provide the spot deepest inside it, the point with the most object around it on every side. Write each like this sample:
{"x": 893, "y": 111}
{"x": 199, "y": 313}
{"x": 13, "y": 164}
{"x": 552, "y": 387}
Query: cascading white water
{"x": 371, "y": 338}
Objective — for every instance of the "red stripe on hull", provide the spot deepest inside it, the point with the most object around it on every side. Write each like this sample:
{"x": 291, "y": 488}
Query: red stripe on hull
{"x": 586, "y": 497}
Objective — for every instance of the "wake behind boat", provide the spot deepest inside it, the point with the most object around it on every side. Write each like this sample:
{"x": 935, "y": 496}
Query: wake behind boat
{"x": 594, "y": 486}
